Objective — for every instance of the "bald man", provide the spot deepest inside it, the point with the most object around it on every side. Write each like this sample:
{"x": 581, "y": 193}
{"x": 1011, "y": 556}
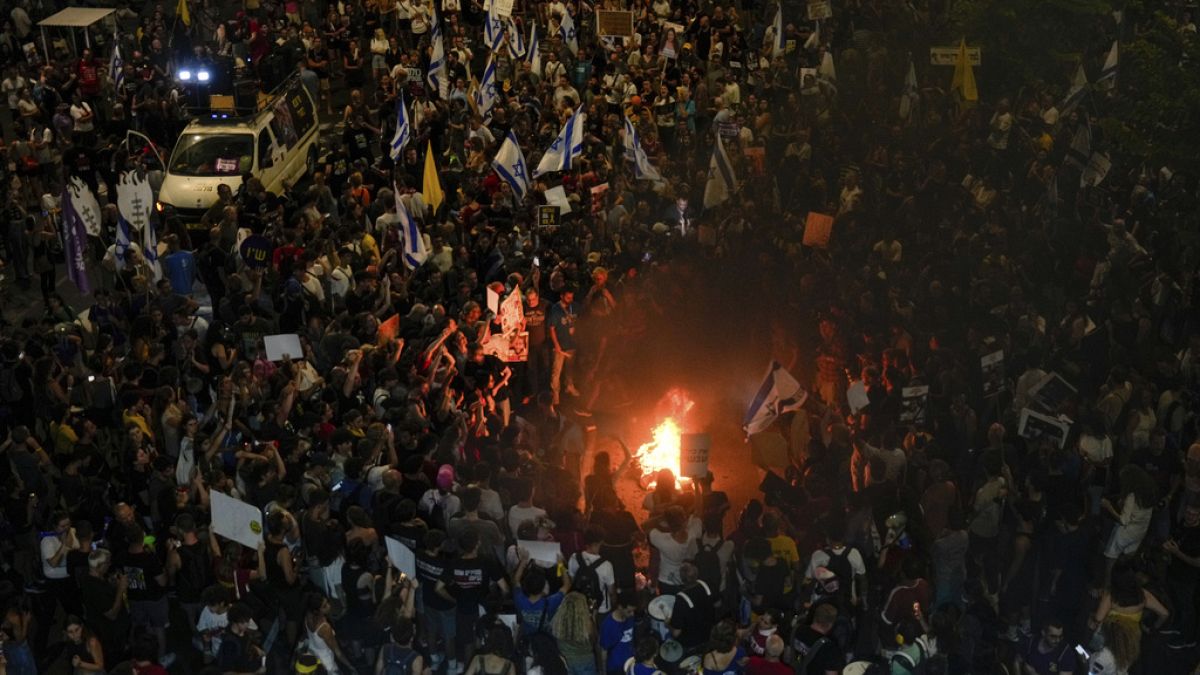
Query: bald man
{"x": 771, "y": 663}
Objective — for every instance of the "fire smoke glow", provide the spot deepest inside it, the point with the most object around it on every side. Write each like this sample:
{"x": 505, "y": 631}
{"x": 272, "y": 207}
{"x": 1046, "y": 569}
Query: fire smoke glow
{"x": 663, "y": 451}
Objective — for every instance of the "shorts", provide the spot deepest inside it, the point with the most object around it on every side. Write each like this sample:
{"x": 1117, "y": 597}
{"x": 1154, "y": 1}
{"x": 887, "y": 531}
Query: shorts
{"x": 149, "y": 613}
{"x": 1123, "y": 542}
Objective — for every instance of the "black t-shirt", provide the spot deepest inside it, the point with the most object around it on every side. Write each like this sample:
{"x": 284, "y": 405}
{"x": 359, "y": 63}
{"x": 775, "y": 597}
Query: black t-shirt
{"x": 319, "y": 54}
{"x": 141, "y": 569}
{"x": 470, "y": 580}
{"x": 826, "y": 657}
{"x": 693, "y": 615}
{"x": 195, "y": 572}
{"x": 430, "y": 570}
{"x": 770, "y": 582}
{"x": 1188, "y": 539}
{"x": 358, "y": 142}
{"x": 235, "y": 654}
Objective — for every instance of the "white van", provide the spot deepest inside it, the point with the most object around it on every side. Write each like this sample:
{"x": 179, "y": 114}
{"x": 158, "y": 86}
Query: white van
{"x": 278, "y": 144}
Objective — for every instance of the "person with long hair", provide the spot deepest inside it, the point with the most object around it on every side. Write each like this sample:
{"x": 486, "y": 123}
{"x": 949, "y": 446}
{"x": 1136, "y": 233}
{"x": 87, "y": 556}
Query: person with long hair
{"x": 1122, "y": 646}
{"x": 1125, "y": 603}
{"x": 724, "y": 656}
{"x": 1138, "y": 494}
{"x": 83, "y": 648}
{"x": 603, "y": 478}
{"x": 575, "y": 630}
{"x": 493, "y": 659}
{"x": 321, "y": 639}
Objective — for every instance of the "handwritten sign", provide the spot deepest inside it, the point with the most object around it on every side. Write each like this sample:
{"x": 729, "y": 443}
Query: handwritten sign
{"x": 236, "y": 520}
{"x": 693, "y": 459}
{"x": 502, "y": 8}
{"x": 548, "y": 216}
{"x": 820, "y": 10}
{"x": 817, "y": 230}
{"x": 227, "y": 165}
{"x": 542, "y": 551}
{"x": 614, "y": 23}
{"x": 947, "y": 56}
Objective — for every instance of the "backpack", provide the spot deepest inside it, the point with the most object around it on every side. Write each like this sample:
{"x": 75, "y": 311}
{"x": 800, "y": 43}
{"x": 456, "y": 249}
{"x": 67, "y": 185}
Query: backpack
{"x": 398, "y": 660}
{"x": 810, "y": 655}
{"x": 840, "y": 565}
{"x": 342, "y": 500}
{"x": 708, "y": 564}
{"x": 587, "y": 580}
{"x": 10, "y": 388}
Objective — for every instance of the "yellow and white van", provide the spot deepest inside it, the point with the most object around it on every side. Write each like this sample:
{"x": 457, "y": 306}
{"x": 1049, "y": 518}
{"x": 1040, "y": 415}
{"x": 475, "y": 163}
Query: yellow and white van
{"x": 277, "y": 144}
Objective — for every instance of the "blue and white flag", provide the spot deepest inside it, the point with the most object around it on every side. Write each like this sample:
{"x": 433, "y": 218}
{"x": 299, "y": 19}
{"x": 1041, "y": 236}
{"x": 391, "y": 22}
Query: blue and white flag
{"x": 642, "y": 168}
{"x": 722, "y": 183}
{"x": 778, "y": 394}
{"x": 516, "y": 42}
{"x": 1108, "y": 74}
{"x": 777, "y": 38}
{"x": 485, "y": 93}
{"x": 493, "y": 29}
{"x": 533, "y": 53}
{"x": 403, "y": 129}
{"x": 435, "y": 74}
{"x": 912, "y": 93}
{"x": 510, "y": 165}
{"x": 566, "y": 28}
{"x": 116, "y": 66}
{"x": 566, "y": 146}
{"x": 1081, "y": 147}
{"x": 412, "y": 244}
{"x": 1075, "y": 94}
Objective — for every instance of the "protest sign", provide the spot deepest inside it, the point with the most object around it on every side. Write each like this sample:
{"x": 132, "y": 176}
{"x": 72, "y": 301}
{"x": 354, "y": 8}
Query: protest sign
{"x": 693, "y": 459}
{"x": 548, "y": 215}
{"x": 256, "y": 251}
{"x": 817, "y": 229}
{"x": 947, "y": 56}
{"x": 389, "y": 329}
{"x": 992, "y": 366}
{"x": 614, "y": 23}
{"x": 279, "y": 346}
{"x": 402, "y": 557}
{"x": 502, "y": 8}
{"x": 493, "y": 301}
{"x": 822, "y": 9}
{"x": 541, "y": 551}
{"x": 1034, "y": 425}
{"x": 557, "y": 196}
{"x": 856, "y": 396}
{"x": 1052, "y": 393}
{"x": 913, "y": 402}
{"x": 236, "y": 520}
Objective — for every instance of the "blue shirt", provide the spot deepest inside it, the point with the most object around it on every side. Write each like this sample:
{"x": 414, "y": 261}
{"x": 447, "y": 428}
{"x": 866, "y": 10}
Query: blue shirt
{"x": 535, "y": 616}
{"x": 562, "y": 320}
{"x": 616, "y": 637}
{"x": 180, "y": 268}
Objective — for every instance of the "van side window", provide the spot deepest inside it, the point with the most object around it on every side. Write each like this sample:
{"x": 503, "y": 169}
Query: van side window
{"x": 264, "y": 149}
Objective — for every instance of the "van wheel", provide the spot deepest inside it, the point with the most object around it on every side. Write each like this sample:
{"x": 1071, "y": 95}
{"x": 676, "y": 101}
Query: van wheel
{"x": 310, "y": 163}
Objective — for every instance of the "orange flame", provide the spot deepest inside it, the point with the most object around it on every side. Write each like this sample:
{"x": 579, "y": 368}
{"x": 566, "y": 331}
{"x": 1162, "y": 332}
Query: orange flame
{"x": 663, "y": 452}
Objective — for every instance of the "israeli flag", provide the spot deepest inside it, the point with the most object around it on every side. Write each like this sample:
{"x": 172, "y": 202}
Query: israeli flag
{"x": 565, "y": 148}
{"x": 912, "y": 93}
{"x": 778, "y": 394}
{"x": 510, "y": 165}
{"x": 516, "y": 43}
{"x": 566, "y": 28}
{"x": 485, "y": 94}
{"x": 493, "y": 29}
{"x": 116, "y": 66}
{"x": 642, "y": 168}
{"x": 435, "y": 74}
{"x": 1075, "y": 95}
{"x": 722, "y": 183}
{"x": 412, "y": 243}
{"x": 777, "y": 42}
{"x": 533, "y": 54}
{"x": 403, "y": 129}
{"x": 1108, "y": 74}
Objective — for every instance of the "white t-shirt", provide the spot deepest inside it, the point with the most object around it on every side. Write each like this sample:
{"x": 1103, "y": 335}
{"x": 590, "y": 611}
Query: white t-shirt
{"x": 1095, "y": 450}
{"x": 78, "y": 110}
{"x": 216, "y": 623}
{"x": 518, "y": 514}
{"x": 50, "y": 547}
{"x": 672, "y": 554}
{"x": 604, "y": 573}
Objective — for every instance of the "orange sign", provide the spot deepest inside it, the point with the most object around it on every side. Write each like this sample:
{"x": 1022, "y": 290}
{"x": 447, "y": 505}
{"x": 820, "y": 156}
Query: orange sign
{"x": 817, "y": 229}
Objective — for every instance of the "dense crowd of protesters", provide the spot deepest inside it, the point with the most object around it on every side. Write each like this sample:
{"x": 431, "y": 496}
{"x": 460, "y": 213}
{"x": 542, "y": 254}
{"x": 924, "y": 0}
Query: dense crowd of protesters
{"x": 948, "y": 542}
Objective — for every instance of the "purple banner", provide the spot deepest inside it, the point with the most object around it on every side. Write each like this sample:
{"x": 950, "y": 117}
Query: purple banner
{"x": 74, "y": 242}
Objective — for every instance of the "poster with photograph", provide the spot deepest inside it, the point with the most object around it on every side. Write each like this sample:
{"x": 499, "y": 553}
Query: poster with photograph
{"x": 992, "y": 367}
{"x": 913, "y": 403}
{"x": 1034, "y": 426}
{"x": 1052, "y": 393}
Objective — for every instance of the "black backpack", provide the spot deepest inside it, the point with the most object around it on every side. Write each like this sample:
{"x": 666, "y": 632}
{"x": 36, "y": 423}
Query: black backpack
{"x": 839, "y": 564}
{"x": 398, "y": 660}
{"x": 708, "y": 564}
{"x": 587, "y": 580}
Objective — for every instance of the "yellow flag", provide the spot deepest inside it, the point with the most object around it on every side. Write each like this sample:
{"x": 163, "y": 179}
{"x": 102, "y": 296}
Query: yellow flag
{"x": 432, "y": 187}
{"x": 964, "y": 75}
{"x": 182, "y": 13}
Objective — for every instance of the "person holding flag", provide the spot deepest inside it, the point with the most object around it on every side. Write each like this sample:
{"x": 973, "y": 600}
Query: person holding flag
{"x": 642, "y": 168}
{"x": 722, "y": 182}
{"x": 403, "y": 129}
{"x": 412, "y": 244}
{"x": 485, "y": 93}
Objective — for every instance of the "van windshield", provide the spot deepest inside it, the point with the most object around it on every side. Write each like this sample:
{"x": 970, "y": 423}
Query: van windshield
{"x": 213, "y": 155}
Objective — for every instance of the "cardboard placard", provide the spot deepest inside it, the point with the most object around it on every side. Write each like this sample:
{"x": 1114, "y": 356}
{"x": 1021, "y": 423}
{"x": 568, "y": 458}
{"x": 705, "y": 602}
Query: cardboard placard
{"x": 402, "y": 557}
{"x": 694, "y": 450}
{"x": 557, "y": 196}
{"x": 614, "y": 23}
{"x": 913, "y": 402}
{"x": 542, "y": 551}
{"x": 502, "y": 8}
{"x": 822, "y": 9}
{"x": 548, "y": 215}
{"x": 1052, "y": 392}
{"x": 279, "y": 346}
{"x": 493, "y": 301}
{"x": 256, "y": 251}
{"x": 818, "y": 228}
{"x": 236, "y": 520}
{"x": 992, "y": 367}
{"x": 1035, "y": 426}
{"x": 856, "y": 396}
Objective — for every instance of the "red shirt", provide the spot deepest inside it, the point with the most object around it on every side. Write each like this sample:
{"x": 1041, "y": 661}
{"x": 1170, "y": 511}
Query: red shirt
{"x": 759, "y": 665}
{"x": 89, "y": 77}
